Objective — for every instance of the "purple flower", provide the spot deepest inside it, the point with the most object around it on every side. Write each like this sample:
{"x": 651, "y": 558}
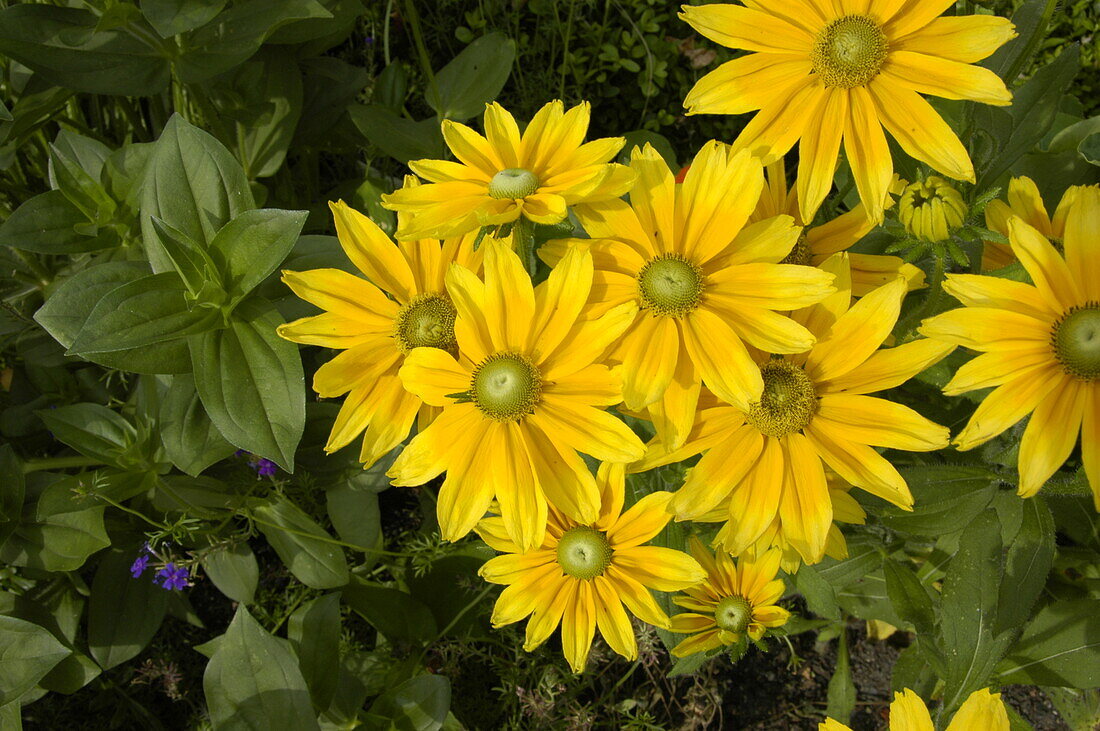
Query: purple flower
{"x": 137, "y": 568}
{"x": 173, "y": 577}
{"x": 264, "y": 467}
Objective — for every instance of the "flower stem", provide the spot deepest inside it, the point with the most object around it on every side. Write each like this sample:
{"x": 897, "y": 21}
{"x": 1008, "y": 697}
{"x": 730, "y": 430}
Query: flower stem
{"x": 60, "y": 463}
{"x": 523, "y": 232}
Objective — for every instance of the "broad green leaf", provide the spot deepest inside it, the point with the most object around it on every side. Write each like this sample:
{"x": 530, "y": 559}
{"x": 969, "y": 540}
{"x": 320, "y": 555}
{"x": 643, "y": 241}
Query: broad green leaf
{"x": 148, "y": 311}
{"x": 1027, "y": 564}
{"x": 1090, "y": 148}
{"x": 191, "y": 442}
{"x": 314, "y": 631}
{"x": 84, "y": 191}
{"x": 392, "y": 612}
{"x": 1061, "y": 647}
{"x": 251, "y": 383}
{"x": 317, "y": 35}
{"x": 123, "y": 613}
{"x": 236, "y": 34}
{"x": 124, "y": 171}
{"x": 63, "y": 47}
{"x": 55, "y": 532}
{"x": 249, "y": 248}
{"x": 863, "y": 558}
{"x": 87, "y": 154}
{"x": 391, "y": 86}
{"x": 418, "y": 704}
{"x": 819, "y": 594}
{"x": 188, "y": 257}
{"x": 193, "y": 184}
{"x": 912, "y": 670}
{"x": 448, "y": 587}
{"x": 396, "y": 136}
{"x": 253, "y": 682}
{"x": 473, "y": 78}
{"x": 1030, "y": 19}
{"x": 968, "y": 613}
{"x": 643, "y": 137}
{"x": 172, "y": 17}
{"x": 92, "y": 430}
{"x": 909, "y": 596}
{"x": 842, "y": 691}
{"x": 329, "y": 86}
{"x": 47, "y": 223}
{"x": 27, "y": 653}
{"x": 354, "y": 514}
{"x": 945, "y": 498}
{"x": 305, "y": 548}
{"x": 234, "y": 571}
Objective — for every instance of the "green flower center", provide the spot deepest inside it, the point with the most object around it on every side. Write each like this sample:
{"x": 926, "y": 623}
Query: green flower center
{"x": 788, "y": 402}
{"x": 849, "y": 51}
{"x": 931, "y": 208}
{"x": 670, "y": 285}
{"x": 513, "y": 183}
{"x": 584, "y": 553}
{"x": 800, "y": 254}
{"x": 1076, "y": 341}
{"x": 506, "y": 387}
{"x": 733, "y": 614}
{"x": 428, "y": 321}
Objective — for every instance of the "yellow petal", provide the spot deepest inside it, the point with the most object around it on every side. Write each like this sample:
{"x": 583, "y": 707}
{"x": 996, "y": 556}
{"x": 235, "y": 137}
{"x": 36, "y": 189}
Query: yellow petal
{"x": 1025, "y": 201}
{"x": 908, "y": 713}
{"x": 831, "y": 724}
{"x": 587, "y": 342}
{"x": 890, "y": 367}
{"x": 390, "y": 425}
{"x": 578, "y": 627}
{"x": 559, "y": 300}
{"x": 1051, "y": 435}
{"x": 612, "y": 620}
{"x": 444, "y": 171}
{"x": 492, "y": 531}
{"x": 467, "y": 293}
{"x": 617, "y": 221}
{"x": 1047, "y": 268}
{"x": 698, "y": 643}
{"x": 755, "y": 501}
{"x": 769, "y": 331}
{"x": 563, "y": 477}
{"x": 880, "y": 423}
{"x": 347, "y": 295}
{"x": 805, "y": 509}
{"x": 354, "y": 416}
{"x": 857, "y": 333}
{"x": 818, "y": 152}
{"x": 430, "y": 451}
{"x": 1090, "y": 442}
{"x": 960, "y": 38}
{"x": 975, "y": 290}
{"x": 468, "y": 489}
{"x": 544, "y": 208}
{"x": 981, "y": 710}
{"x": 587, "y": 429}
{"x": 945, "y": 78}
{"x": 648, "y": 353}
{"x": 689, "y": 623}
{"x": 868, "y": 154}
{"x": 511, "y": 567}
{"x": 860, "y": 465}
{"x": 471, "y": 148}
{"x": 770, "y": 286}
{"x": 745, "y": 84}
{"x": 502, "y": 134}
{"x": 595, "y": 385}
{"x": 911, "y": 17}
{"x": 522, "y": 503}
{"x": 711, "y": 428}
{"x": 509, "y": 307}
{"x": 330, "y": 330}
{"x": 642, "y": 522}
{"x": 636, "y": 597}
{"x": 1007, "y": 404}
{"x": 531, "y": 590}
{"x": 662, "y": 569}
{"x": 766, "y": 241}
{"x": 996, "y": 368}
{"x": 719, "y": 471}
{"x": 433, "y": 375}
{"x": 747, "y": 28}
{"x": 985, "y": 328}
{"x": 372, "y": 252}
{"x": 919, "y": 130}
{"x": 653, "y": 197}
{"x": 674, "y": 413}
{"x": 721, "y": 359}
{"x": 547, "y": 617}
{"x": 553, "y": 136}
{"x": 707, "y": 217}
{"x": 780, "y": 123}
{"x": 1082, "y": 242}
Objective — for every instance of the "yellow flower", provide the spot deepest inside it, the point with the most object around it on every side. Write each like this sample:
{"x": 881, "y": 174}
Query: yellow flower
{"x": 525, "y": 398}
{"x": 930, "y": 208}
{"x": 982, "y": 711}
{"x": 582, "y": 573}
{"x": 818, "y": 71}
{"x": 504, "y": 175}
{"x": 820, "y": 242}
{"x": 736, "y": 599}
{"x": 1024, "y": 201}
{"x": 767, "y": 459}
{"x": 1040, "y": 346}
{"x": 701, "y": 279}
{"x": 375, "y": 332}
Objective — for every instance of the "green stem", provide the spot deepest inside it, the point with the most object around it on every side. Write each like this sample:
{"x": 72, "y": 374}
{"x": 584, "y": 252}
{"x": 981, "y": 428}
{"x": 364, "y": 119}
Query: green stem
{"x": 327, "y": 539}
{"x": 523, "y": 233}
{"x": 935, "y": 293}
{"x": 40, "y": 272}
{"x": 136, "y": 513}
{"x": 421, "y": 50}
{"x": 60, "y": 463}
{"x": 455, "y": 620}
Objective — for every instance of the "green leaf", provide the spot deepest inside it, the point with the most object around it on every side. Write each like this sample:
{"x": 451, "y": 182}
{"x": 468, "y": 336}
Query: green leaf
{"x": 447, "y": 588}
{"x": 253, "y": 682}
{"x": 969, "y": 610}
{"x": 123, "y": 173}
{"x": 47, "y": 224}
{"x": 473, "y": 78}
{"x": 396, "y": 136}
{"x": 305, "y": 548}
{"x": 1027, "y": 564}
{"x": 236, "y": 34}
{"x": 314, "y": 631}
{"x": 392, "y": 612}
{"x": 148, "y": 311}
{"x": 12, "y": 487}
{"x": 92, "y": 430}
{"x": 354, "y": 514}
{"x": 234, "y": 570}
{"x": 191, "y": 442}
{"x": 193, "y": 184}
{"x": 391, "y": 86}
{"x": 63, "y": 47}
{"x": 1058, "y": 648}
{"x": 842, "y": 691}
{"x": 945, "y": 499}
{"x": 251, "y": 383}
{"x": 188, "y": 257}
{"x": 123, "y": 613}
{"x": 1090, "y": 148}
{"x": 172, "y": 17}
{"x": 249, "y": 248}
{"x": 54, "y": 534}
{"x": 77, "y": 184}
{"x": 27, "y": 653}
{"x": 819, "y": 594}
{"x": 418, "y": 704}
{"x": 909, "y": 596}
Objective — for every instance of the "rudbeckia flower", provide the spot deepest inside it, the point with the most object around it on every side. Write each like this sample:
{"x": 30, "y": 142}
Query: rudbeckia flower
{"x": 701, "y": 280}
{"x": 982, "y": 711}
{"x": 768, "y": 460}
{"x": 401, "y": 305}
{"x": 735, "y": 600}
{"x": 820, "y": 71}
{"x": 1040, "y": 346}
{"x": 1024, "y": 201}
{"x": 581, "y": 574}
{"x": 527, "y": 395}
{"x": 818, "y": 243}
{"x": 505, "y": 175}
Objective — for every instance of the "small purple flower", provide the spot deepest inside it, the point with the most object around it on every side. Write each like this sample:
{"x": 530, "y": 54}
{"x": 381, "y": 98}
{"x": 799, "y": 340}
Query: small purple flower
{"x": 241, "y": 453}
{"x": 264, "y": 467}
{"x": 173, "y": 577}
{"x": 137, "y": 568}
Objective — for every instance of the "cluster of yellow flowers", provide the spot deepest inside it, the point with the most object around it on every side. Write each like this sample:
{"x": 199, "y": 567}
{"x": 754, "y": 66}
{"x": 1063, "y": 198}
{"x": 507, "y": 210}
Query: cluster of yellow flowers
{"x": 711, "y": 308}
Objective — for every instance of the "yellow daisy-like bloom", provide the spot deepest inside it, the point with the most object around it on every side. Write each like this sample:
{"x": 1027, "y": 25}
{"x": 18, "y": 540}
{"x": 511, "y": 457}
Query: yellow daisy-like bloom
{"x": 505, "y": 175}
{"x": 1040, "y": 346}
{"x": 701, "y": 280}
{"x": 819, "y": 71}
{"x": 582, "y": 573}
{"x": 818, "y": 243}
{"x": 982, "y": 711}
{"x": 735, "y": 600}
{"x": 931, "y": 208}
{"x": 525, "y": 398}
{"x": 1024, "y": 201}
{"x": 767, "y": 459}
{"x": 376, "y": 332}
